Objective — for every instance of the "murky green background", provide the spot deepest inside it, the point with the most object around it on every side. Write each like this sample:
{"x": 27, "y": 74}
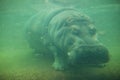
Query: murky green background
{"x": 17, "y": 61}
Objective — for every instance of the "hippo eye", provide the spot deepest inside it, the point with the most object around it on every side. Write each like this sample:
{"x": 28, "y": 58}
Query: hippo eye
{"x": 92, "y": 31}
{"x": 76, "y": 32}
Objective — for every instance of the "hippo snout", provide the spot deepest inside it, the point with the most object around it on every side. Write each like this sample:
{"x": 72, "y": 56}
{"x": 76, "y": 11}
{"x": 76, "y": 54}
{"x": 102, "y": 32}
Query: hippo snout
{"x": 90, "y": 55}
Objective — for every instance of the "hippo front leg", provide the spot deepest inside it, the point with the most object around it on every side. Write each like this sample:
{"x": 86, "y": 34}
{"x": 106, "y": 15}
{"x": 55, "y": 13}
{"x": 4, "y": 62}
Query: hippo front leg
{"x": 60, "y": 62}
{"x": 60, "y": 59}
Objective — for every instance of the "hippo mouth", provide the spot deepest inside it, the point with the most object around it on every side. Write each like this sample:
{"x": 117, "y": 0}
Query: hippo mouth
{"x": 90, "y": 55}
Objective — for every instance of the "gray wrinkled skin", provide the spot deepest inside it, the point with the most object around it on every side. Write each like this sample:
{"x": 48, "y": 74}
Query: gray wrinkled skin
{"x": 69, "y": 34}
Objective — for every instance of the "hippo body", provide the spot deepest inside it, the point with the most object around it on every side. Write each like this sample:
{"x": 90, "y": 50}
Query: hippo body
{"x": 69, "y": 34}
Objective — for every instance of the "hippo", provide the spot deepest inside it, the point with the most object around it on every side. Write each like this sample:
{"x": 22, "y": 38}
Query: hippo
{"x": 70, "y": 36}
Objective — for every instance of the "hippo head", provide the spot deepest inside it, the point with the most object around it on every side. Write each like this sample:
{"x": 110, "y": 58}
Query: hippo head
{"x": 85, "y": 47}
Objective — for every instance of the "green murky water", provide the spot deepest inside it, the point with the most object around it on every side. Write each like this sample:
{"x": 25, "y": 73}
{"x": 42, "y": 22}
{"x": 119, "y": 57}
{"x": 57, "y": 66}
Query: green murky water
{"x": 17, "y": 61}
